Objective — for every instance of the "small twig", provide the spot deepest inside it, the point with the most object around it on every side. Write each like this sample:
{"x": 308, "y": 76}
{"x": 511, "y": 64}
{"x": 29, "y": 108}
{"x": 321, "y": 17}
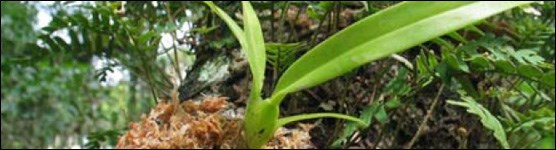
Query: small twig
{"x": 281, "y": 21}
{"x": 177, "y": 12}
{"x": 272, "y": 21}
{"x": 313, "y": 95}
{"x": 337, "y": 19}
{"x": 174, "y": 36}
{"x": 292, "y": 26}
{"x": 375, "y": 143}
{"x": 154, "y": 96}
{"x": 321, "y": 21}
{"x": 425, "y": 120}
{"x": 403, "y": 60}
{"x": 330, "y": 22}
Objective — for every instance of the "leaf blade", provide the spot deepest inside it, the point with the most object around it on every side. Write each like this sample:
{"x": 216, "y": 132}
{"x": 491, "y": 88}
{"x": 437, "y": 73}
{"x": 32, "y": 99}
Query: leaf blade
{"x": 255, "y": 50}
{"x": 251, "y": 41}
{"x": 391, "y": 32}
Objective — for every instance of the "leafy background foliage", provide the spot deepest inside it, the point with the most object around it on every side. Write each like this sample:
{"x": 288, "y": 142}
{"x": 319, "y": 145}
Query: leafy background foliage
{"x": 54, "y": 94}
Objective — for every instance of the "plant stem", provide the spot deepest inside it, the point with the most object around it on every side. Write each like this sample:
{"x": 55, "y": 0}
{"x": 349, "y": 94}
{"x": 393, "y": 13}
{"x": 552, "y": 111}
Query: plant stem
{"x": 425, "y": 120}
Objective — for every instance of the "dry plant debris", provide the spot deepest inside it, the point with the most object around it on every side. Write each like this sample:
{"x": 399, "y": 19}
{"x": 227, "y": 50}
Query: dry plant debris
{"x": 210, "y": 123}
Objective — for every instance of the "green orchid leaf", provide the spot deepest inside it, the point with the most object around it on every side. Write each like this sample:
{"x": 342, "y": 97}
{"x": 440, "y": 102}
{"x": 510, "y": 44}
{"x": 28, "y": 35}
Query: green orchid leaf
{"x": 251, "y": 42}
{"x": 286, "y": 120}
{"x": 381, "y": 35}
{"x": 256, "y": 53}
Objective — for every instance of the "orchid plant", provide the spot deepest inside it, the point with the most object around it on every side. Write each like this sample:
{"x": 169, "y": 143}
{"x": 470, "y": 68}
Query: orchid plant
{"x": 382, "y": 34}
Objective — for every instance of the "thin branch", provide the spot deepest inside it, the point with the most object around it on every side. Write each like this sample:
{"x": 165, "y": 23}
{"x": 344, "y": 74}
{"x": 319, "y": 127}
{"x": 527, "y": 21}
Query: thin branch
{"x": 174, "y": 37}
{"x": 314, "y": 38}
{"x": 272, "y": 21}
{"x": 292, "y": 26}
{"x": 425, "y": 120}
{"x": 281, "y": 21}
{"x": 337, "y": 19}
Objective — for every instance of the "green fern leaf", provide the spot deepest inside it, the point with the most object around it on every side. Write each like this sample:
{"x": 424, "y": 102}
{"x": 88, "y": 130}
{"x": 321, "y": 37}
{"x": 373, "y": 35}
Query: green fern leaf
{"x": 487, "y": 119}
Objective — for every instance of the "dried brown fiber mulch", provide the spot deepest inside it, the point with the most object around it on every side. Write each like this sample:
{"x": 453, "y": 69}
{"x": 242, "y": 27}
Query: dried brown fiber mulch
{"x": 210, "y": 123}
